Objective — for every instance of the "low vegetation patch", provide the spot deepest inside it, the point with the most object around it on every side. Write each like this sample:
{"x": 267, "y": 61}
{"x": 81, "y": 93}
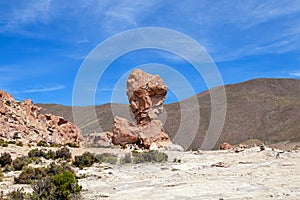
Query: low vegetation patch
{"x": 3, "y": 143}
{"x": 144, "y": 157}
{"x": 63, "y": 153}
{"x": 149, "y": 156}
{"x": 5, "y": 159}
{"x": 106, "y": 158}
{"x": 87, "y": 159}
{"x": 17, "y": 194}
{"x": 20, "y": 162}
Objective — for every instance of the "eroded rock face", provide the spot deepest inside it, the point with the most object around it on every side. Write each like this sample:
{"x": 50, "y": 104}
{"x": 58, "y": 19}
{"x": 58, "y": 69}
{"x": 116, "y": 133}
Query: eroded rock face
{"x": 102, "y": 139}
{"x": 146, "y": 94}
{"x": 22, "y": 121}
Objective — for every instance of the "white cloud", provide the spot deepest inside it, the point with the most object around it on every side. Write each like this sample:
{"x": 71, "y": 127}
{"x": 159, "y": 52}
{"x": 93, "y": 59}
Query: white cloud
{"x": 38, "y": 90}
{"x": 24, "y": 13}
{"x": 297, "y": 74}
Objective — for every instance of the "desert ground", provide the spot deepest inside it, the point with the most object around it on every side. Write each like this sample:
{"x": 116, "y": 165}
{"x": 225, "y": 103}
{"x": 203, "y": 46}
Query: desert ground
{"x": 249, "y": 174}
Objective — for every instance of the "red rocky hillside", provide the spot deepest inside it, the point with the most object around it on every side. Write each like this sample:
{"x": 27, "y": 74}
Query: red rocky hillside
{"x": 22, "y": 121}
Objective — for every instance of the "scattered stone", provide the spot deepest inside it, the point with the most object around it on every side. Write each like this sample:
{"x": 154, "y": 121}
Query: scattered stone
{"x": 219, "y": 164}
{"x": 225, "y": 146}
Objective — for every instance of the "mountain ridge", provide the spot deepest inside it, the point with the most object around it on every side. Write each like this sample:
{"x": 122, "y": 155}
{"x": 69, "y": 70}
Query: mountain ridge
{"x": 267, "y": 109}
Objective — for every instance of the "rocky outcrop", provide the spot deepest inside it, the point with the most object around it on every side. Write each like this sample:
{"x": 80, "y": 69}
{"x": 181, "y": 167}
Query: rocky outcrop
{"x": 102, "y": 139}
{"x": 22, "y": 121}
{"x": 146, "y": 94}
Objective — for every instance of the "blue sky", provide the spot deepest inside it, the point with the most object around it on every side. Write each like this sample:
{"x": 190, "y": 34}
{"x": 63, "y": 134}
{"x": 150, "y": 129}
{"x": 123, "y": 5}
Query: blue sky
{"x": 44, "y": 42}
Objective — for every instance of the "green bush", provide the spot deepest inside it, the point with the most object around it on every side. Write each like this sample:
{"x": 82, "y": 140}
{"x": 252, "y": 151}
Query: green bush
{"x": 37, "y": 153}
{"x": 1, "y": 175}
{"x": 43, "y": 189}
{"x": 150, "y": 156}
{"x": 106, "y": 158}
{"x": 51, "y": 154}
{"x": 63, "y": 153}
{"x": 5, "y": 159}
{"x": 42, "y": 144}
{"x": 3, "y": 143}
{"x": 20, "y": 144}
{"x": 60, "y": 186}
{"x": 73, "y": 145}
{"x": 29, "y": 175}
{"x": 54, "y": 169}
{"x": 11, "y": 142}
{"x": 66, "y": 185}
{"x": 87, "y": 159}
{"x": 20, "y": 162}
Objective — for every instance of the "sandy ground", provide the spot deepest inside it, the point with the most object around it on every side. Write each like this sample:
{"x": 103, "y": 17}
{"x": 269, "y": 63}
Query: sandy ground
{"x": 250, "y": 174}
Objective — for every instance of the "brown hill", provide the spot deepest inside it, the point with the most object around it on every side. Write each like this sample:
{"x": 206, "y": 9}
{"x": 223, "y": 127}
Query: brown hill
{"x": 264, "y": 109}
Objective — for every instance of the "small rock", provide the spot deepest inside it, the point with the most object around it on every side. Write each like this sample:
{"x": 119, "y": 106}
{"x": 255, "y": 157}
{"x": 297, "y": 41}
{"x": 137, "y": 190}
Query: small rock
{"x": 225, "y": 146}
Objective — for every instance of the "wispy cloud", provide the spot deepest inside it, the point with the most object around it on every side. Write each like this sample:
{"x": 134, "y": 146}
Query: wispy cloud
{"x": 297, "y": 74}
{"x": 22, "y": 14}
{"x": 38, "y": 90}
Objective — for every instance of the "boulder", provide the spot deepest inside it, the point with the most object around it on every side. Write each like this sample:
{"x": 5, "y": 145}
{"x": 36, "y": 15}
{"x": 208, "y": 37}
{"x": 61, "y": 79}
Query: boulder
{"x": 146, "y": 94}
{"x": 102, "y": 139}
{"x": 225, "y": 146}
{"x": 124, "y": 132}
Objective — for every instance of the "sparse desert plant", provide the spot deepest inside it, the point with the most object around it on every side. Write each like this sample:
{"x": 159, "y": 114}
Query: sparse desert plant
{"x": 106, "y": 158}
{"x": 35, "y": 160}
{"x": 87, "y": 159}
{"x": 11, "y": 142}
{"x": 55, "y": 168}
{"x": 1, "y": 175}
{"x": 43, "y": 189}
{"x": 42, "y": 144}
{"x": 73, "y": 145}
{"x": 19, "y": 162}
{"x": 5, "y": 159}
{"x": 63, "y": 153}
{"x": 51, "y": 154}
{"x": 37, "y": 153}
{"x": 19, "y": 143}
{"x": 30, "y": 174}
{"x": 149, "y": 156}
{"x": 17, "y": 194}
{"x": 61, "y": 186}
{"x": 3, "y": 143}
{"x": 126, "y": 159}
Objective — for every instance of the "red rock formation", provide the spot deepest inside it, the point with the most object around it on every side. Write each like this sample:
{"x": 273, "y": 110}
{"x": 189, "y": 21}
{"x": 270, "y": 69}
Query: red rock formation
{"x": 146, "y": 94}
{"x": 22, "y": 121}
{"x": 124, "y": 132}
{"x": 98, "y": 139}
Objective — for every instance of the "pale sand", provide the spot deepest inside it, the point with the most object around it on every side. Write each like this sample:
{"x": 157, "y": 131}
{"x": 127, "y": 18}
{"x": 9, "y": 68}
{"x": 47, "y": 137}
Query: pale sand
{"x": 251, "y": 174}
